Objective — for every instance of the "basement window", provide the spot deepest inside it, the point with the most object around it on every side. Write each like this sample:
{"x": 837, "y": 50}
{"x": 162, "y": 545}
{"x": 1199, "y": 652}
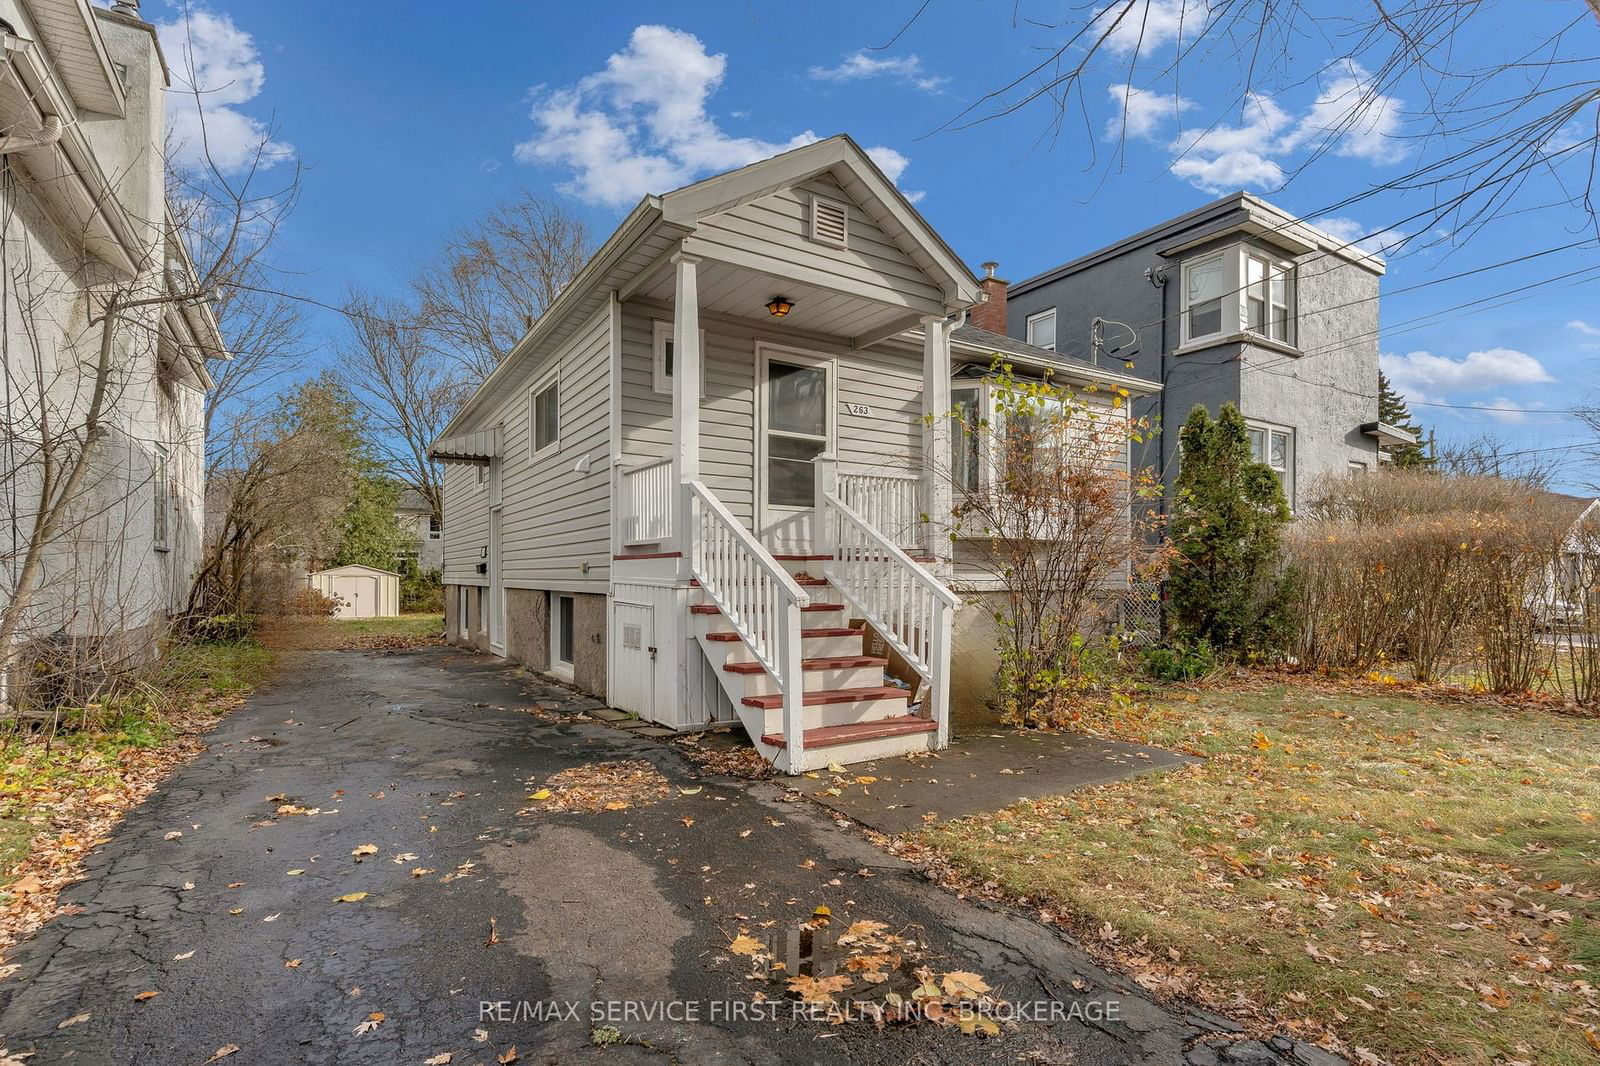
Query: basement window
{"x": 563, "y": 636}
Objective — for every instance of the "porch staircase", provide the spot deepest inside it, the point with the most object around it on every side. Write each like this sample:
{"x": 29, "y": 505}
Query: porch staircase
{"x": 852, "y": 711}
{"x": 778, "y": 634}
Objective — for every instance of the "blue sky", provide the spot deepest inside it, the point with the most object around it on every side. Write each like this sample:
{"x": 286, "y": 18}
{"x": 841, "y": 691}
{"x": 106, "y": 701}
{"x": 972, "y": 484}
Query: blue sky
{"x": 411, "y": 119}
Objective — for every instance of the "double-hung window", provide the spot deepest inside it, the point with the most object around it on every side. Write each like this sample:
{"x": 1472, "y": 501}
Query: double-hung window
{"x": 1042, "y": 329}
{"x": 1204, "y": 287}
{"x": 1266, "y": 297}
{"x": 965, "y": 442}
{"x": 1274, "y": 446}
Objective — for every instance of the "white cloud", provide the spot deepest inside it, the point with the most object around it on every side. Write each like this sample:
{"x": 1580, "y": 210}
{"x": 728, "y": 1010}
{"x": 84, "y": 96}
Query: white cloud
{"x": 641, "y": 124}
{"x": 863, "y": 64}
{"x": 1581, "y": 326}
{"x": 1141, "y": 111}
{"x": 1146, "y": 25}
{"x": 1348, "y": 118}
{"x": 893, "y": 164}
{"x": 1379, "y": 242}
{"x": 1502, "y": 409}
{"x": 1494, "y": 368}
{"x": 215, "y": 70}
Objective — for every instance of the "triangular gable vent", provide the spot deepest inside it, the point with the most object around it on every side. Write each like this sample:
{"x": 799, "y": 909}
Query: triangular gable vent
{"x": 828, "y": 221}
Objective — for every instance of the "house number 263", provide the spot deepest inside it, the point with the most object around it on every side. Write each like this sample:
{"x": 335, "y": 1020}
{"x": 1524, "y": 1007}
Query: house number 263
{"x": 859, "y": 409}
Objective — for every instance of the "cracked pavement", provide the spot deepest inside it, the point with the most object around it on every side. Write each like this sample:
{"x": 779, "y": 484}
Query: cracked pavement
{"x": 430, "y": 753}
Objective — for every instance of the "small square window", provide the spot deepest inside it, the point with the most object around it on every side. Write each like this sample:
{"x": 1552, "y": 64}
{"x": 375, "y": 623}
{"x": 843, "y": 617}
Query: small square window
{"x": 546, "y": 414}
{"x": 663, "y": 359}
{"x": 1042, "y": 330}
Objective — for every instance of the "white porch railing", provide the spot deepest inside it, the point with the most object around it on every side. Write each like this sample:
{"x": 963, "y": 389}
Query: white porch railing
{"x": 890, "y": 503}
{"x": 646, "y": 498}
{"x": 760, "y": 600}
{"x": 910, "y": 608}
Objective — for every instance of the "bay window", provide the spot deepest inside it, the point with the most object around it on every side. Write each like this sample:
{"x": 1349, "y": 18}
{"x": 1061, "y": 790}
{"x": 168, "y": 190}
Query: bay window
{"x": 1237, "y": 290}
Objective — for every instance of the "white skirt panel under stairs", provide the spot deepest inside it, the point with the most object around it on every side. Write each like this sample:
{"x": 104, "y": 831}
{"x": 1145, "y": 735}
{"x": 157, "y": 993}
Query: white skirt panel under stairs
{"x": 853, "y": 711}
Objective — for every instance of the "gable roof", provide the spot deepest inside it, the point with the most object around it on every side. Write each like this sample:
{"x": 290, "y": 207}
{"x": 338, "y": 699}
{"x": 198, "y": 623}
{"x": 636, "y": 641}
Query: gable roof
{"x": 659, "y": 221}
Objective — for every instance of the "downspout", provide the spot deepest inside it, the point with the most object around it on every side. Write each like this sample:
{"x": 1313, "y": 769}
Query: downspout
{"x": 48, "y": 133}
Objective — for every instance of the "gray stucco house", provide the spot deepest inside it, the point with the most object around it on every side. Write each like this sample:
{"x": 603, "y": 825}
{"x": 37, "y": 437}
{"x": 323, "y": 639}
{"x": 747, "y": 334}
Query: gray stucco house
{"x": 1235, "y": 302}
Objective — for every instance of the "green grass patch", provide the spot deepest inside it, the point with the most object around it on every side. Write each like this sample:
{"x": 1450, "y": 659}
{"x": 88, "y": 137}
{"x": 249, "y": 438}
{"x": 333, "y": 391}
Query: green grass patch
{"x": 1420, "y": 879}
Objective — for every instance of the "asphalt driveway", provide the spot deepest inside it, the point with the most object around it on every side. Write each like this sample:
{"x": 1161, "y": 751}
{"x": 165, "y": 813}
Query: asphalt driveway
{"x": 428, "y": 756}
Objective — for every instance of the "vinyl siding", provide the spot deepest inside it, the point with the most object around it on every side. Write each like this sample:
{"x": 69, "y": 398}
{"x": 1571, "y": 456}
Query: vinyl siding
{"x": 466, "y": 525}
{"x": 778, "y": 226}
{"x": 890, "y": 381}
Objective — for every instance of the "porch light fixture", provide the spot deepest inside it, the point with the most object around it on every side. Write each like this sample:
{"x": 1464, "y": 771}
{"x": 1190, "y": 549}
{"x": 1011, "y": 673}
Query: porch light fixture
{"x": 780, "y": 306}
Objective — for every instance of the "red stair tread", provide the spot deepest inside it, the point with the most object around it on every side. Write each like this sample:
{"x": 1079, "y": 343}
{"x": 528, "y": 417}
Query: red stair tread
{"x": 829, "y": 735}
{"x": 711, "y": 608}
{"x": 836, "y": 695}
{"x": 825, "y": 662}
{"x": 831, "y": 631}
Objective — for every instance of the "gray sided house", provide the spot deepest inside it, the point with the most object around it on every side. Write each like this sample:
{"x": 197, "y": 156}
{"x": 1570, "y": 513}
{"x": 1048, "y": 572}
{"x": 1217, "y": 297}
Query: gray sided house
{"x": 1235, "y": 302}
{"x": 753, "y": 547}
{"x": 426, "y": 546}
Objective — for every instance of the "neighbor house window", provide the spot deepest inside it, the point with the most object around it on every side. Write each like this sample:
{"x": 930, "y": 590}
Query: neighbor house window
{"x": 1274, "y": 445}
{"x": 1204, "y": 284}
{"x": 435, "y": 530}
{"x": 546, "y": 413}
{"x": 562, "y": 634}
{"x": 1267, "y": 284}
{"x": 1357, "y": 466}
{"x": 663, "y": 358}
{"x": 162, "y": 501}
{"x": 964, "y": 438}
{"x": 1042, "y": 329}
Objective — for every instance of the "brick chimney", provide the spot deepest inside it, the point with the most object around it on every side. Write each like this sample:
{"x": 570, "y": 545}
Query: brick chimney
{"x": 991, "y": 314}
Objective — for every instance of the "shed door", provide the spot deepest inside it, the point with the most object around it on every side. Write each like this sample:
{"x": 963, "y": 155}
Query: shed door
{"x": 360, "y": 596}
{"x": 636, "y": 660}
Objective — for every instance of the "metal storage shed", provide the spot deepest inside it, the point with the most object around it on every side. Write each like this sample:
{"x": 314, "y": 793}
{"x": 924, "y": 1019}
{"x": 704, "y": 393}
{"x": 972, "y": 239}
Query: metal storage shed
{"x": 362, "y": 591}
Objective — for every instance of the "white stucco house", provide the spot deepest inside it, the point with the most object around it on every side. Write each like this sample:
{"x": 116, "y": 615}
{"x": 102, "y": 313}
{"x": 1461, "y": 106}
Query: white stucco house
{"x": 732, "y": 549}
{"x": 82, "y": 184}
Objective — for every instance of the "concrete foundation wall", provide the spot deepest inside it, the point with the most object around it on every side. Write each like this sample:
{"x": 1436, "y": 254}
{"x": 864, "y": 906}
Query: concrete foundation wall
{"x": 528, "y": 631}
{"x": 528, "y": 627}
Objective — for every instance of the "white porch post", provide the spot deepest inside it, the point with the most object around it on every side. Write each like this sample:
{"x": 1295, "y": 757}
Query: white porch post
{"x": 685, "y": 395}
{"x": 936, "y": 493}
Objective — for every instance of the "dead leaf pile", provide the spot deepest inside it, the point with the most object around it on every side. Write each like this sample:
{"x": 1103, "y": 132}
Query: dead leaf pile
{"x": 601, "y": 786}
{"x": 865, "y": 973}
{"x": 742, "y": 761}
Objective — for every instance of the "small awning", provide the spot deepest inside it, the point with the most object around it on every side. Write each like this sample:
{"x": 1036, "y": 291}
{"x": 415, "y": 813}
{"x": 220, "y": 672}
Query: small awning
{"x": 1390, "y": 436}
{"x": 478, "y": 447}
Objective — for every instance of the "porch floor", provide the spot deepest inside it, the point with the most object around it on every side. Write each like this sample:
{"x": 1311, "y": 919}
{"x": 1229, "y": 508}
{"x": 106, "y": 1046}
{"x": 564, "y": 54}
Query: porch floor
{"x": 981, "y": 771}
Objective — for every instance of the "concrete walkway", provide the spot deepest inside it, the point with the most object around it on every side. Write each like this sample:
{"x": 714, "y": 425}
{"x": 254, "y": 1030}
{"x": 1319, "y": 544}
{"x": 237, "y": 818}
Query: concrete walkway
{"x": 429, "y": 756}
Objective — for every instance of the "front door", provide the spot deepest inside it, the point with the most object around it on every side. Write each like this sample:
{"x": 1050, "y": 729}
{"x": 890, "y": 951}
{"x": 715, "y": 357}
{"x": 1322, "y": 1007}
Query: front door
{"x": 795, "y": 424}
{"x": 635, "y": 678}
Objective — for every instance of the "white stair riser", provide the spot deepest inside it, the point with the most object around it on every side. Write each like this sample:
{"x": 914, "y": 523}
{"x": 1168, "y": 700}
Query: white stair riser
{"x": 862, "y": 751}
{"x": 835, "y": 713}
{"x": 811, "y": 648}
{"x": 817, "y": 680}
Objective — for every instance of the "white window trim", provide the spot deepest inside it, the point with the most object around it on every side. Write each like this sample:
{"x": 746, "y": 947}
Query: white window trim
{"x": 1285, "y": 476}
{"x": 551, "y": 378}
{"x": 161, "y": 534}
{"x": 1235, "y": 302}
{"x": 558, "y": 666}
{"x": 661, "y": 333}
{"x": 1273, "y": 263}
{"x": 1039, "y": 316}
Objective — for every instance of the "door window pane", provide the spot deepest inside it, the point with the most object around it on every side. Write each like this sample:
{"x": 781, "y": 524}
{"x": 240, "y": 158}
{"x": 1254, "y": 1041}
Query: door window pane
{"x": 791, "y": 478}
{"x": 797, "y": 399}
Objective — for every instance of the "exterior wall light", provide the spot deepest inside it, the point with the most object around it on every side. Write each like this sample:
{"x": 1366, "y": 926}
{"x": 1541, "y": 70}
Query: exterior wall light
{"x": 780, "y": 306}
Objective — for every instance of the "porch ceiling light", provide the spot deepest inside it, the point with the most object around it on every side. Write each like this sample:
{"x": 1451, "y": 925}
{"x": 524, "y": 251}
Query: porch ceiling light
{"x": 780, "y": 306}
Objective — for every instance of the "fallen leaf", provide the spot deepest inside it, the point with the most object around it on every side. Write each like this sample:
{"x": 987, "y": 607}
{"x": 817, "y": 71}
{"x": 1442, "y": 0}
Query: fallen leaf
{"x": 364, "y": 849}
{"x": 438, "y": 1060}
{"x": 494, "y": 935}
{"x": 76, "y": 1019}
{"x": 542, "y": 794}
{"x": 688, "y": 823}
{"x": 185, "y": 955}
{"x": 964, "y": 985}
{"x": 744, "y": 945}
{"x": 695, "y": 791}
{"x": 835, "y": 768}
{"x": 294, "y": 873}
{"x": 374, "y": 1020}
{"x": 223, "y": 1052}
{"x": 419, "y": 871}
{"x": 149, "y": 993}
{"x": 614, "y": 805}
{"x": 271, "y": 918}
{"x": 236, "y": 911}
{"x": 350, "y": 897}
{"x": 480, "y": 1036}
{"x": 174, "y": 835}
{"x": 188, "y": 886}
{"x": 507, "y": 1056}
{"x": 291, "y": 964}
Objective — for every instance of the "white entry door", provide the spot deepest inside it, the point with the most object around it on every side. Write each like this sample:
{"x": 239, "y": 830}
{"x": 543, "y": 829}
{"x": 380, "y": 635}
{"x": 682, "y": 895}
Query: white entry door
{"x": 635, "y": 674}
{"x": 795, "y": 424}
